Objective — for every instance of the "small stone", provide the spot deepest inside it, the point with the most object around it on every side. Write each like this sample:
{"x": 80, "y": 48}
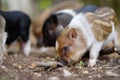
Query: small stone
{"x": 3, "y": 67}
{"x": 110, "y": 73}
{"x": 37, "y": 74}
{"x": 53, "y": 78}
{"x": 66, "y": 73}
{"x": 85, "y": 72}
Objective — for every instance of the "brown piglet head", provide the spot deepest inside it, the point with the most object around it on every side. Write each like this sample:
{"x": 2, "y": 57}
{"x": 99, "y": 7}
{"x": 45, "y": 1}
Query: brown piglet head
{"x": 70, "y": 45}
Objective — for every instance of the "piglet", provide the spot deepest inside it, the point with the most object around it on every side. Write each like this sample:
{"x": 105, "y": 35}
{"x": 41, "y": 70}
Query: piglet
{"x": 17, "y": 26}
{"x": 87, "y": 32}
{"x": 57, "y": 21}
{"x": 2, "y": 28}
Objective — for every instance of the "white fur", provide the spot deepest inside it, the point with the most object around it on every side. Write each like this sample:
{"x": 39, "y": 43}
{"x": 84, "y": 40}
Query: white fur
{"x": 4, "y": 38}
{"x": 27, "y": 48}
{"x": 80, "y": 22}
{"x": 68, "y": 11}
{"x": 115, "y": 39}
{"x": 59, "y": 27}
{"x": 94, "y": 52}
{"x": 56, "y": 45}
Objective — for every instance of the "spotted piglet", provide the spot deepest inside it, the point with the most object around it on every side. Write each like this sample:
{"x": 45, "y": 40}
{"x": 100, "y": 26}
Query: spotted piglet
{"x": 87, "y": 32}
{"x": 17, "y": 27}
{"x": 57, "y": 21}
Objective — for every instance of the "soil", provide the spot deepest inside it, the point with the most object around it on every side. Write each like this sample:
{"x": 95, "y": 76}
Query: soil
{"x": 18, "y": 67}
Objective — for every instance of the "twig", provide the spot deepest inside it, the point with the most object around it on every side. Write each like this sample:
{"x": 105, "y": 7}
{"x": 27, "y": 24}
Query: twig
{"x": 46, "y": 64}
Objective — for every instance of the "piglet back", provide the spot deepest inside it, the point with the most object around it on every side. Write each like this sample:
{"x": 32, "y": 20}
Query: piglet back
{"x": 101, "y": 22}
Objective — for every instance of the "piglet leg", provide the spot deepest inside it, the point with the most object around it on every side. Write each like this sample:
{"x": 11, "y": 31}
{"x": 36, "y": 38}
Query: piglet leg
{"x": 27, "y": 48}
{"x": 116, "y": 45}
{"x": 2, "y": 29}
{"x": 94, "y": 52}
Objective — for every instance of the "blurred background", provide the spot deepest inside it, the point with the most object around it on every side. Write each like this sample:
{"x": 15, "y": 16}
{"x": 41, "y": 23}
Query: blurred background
{"x": 39, "y": 10}
{"x": 33, "y": 7}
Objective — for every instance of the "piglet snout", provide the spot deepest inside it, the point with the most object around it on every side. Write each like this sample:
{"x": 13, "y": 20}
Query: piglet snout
{"x": 61, "y": 62}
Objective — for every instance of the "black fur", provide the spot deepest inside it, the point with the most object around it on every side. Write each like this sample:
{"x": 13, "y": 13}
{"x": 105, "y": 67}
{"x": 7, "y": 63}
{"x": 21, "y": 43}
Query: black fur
{"x": 50, "y": 31}
{"x": 50, "y": 24}
{"x": 17, "y": 25}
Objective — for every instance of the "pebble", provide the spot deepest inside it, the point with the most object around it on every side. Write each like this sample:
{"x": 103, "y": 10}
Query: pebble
{"x": 53, "y": 78}
{"x": 67, "y": 73}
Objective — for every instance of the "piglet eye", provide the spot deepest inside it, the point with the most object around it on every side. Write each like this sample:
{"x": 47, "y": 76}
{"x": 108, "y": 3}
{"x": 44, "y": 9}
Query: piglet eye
{"x": 65, "y": 49}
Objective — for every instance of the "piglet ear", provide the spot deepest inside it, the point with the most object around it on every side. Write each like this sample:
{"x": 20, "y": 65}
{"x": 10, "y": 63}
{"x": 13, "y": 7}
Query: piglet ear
{"x": 53, "y": 18}
{"x": 72, "y": 34}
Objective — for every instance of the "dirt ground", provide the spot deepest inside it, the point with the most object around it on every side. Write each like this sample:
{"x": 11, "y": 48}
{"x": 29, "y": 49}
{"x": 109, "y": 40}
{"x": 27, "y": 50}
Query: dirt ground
{"x": 18, "y": 67}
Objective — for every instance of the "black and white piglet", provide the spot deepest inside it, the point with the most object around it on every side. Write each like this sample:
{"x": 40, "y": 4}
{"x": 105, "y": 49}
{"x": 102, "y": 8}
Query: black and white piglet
{"x": 57, "y": 21}
{"x": 17, "y": 26}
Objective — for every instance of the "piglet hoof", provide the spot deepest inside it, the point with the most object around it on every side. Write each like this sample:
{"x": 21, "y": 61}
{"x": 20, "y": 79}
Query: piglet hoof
{"x": 26, "y": 51}
{"x": 92, "y": 63}
{"x": 27, "y": 48}
{"x": 117, "y": 49}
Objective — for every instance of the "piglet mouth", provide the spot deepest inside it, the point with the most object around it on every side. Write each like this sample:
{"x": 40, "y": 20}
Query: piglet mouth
{"x": 61, "y": 63}
{"x": 65, "y": 63}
